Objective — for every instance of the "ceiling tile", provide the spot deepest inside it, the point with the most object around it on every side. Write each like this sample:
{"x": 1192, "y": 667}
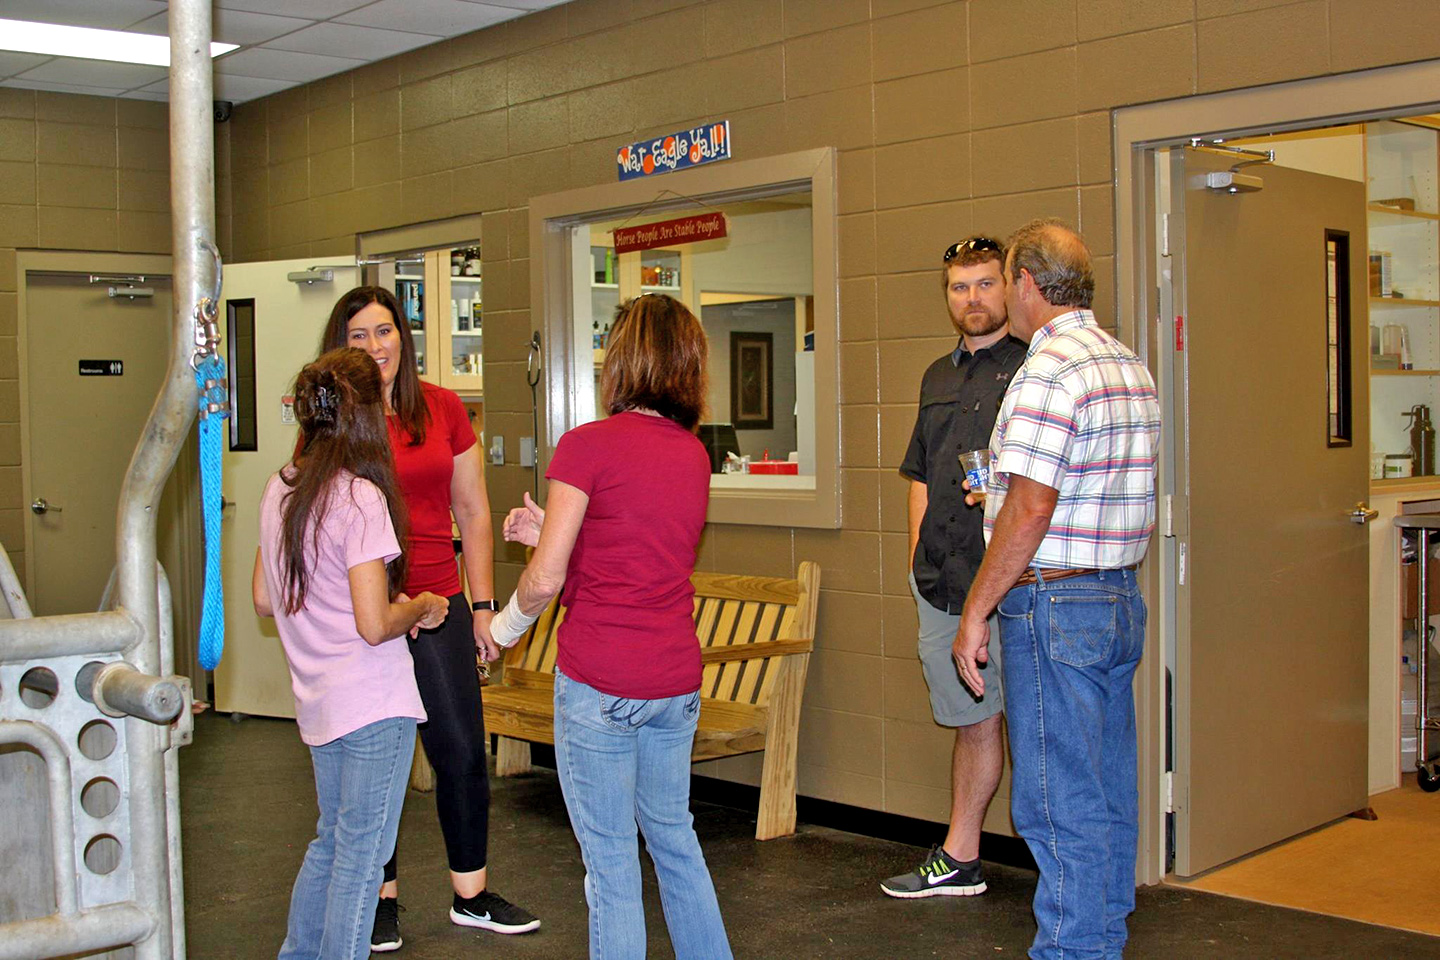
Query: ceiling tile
{"x": 94, "y": 73}
{"x": 442, "y": 17}
{"x": 364, "y": 42}
{"x": 283, "y": 65}
{"x": 107, "y": 14}
{"x": 13, "y": 63}
{"x": 62, "y": 87}
{"x": 313, "y": 9}
{"x": 234, "y": 26}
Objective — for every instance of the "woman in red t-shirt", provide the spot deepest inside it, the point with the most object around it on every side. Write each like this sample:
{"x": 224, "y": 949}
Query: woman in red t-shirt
{"x": 438, "y": 466}
{"x": 627, "y": 501}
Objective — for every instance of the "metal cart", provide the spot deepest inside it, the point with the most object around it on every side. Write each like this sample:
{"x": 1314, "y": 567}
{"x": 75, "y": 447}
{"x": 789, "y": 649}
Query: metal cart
{"x": 1424, "y": 526}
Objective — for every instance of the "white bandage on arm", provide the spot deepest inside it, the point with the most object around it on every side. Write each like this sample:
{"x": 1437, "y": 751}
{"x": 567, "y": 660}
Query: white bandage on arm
{"x": 511, "y": 623}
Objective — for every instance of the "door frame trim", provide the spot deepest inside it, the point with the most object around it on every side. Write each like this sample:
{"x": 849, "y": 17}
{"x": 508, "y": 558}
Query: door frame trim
{"x": 1137, "y": 133}
{"x": 51, "y": 261}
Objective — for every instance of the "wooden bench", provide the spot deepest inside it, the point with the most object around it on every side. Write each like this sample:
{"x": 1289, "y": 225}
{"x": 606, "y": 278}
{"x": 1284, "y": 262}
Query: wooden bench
{"x": 755, "y": 635}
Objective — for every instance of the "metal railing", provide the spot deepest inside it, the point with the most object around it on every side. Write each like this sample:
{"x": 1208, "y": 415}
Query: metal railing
{"x": 111, "y": 788}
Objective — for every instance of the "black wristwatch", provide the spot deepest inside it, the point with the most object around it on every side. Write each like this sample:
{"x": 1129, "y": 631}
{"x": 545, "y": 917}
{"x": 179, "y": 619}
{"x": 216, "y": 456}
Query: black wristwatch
{"x": 492, "y": 605}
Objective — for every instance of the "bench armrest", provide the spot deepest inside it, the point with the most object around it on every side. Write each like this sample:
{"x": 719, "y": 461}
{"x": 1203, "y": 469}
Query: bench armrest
{"x": 755, "y": 651}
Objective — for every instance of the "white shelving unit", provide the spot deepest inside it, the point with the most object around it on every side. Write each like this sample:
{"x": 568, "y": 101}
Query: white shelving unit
{"x": 1402, "y": 169}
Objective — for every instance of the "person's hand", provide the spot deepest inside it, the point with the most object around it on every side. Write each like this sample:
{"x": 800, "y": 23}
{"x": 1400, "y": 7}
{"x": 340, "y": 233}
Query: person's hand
{"x": 970, "y": 650}
{"x": 489, "y": 649}
{"x": 972, "y": 498}
{"x": 435, "y": 608}
{"x": 522, "y": 525}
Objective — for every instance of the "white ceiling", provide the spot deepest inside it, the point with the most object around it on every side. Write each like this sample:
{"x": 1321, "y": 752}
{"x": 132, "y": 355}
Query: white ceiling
{"x": 283, "y": 43}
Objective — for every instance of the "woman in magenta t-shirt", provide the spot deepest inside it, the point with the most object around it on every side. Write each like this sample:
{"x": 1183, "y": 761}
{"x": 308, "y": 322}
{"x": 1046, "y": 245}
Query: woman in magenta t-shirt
{"x": 627, "y": 501}
{"x": 330, "y": 558}
{"x": 438, "y": 465}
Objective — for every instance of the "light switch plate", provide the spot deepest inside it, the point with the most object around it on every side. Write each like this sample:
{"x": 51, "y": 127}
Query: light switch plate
{"x": 497, "y": 450}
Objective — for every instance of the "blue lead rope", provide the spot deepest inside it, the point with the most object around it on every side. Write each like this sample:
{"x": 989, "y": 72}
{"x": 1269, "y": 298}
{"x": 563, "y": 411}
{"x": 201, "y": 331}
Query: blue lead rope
{"x": 214, "y": 409}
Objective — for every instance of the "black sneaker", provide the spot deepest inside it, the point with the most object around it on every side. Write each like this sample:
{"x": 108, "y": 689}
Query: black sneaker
{"x": 939, "y": 875}
{"x": 490, "y": 911}
{"x": 385, "y": 935}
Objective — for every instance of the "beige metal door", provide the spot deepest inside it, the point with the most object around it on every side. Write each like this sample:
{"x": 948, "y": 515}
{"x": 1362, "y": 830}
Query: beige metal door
{"x": 289, "y": 317}
{"x": 80, "y": 431}
{"x": 1272, "y": 646}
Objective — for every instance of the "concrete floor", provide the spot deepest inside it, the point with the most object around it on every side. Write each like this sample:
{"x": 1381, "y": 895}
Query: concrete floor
{"x": 249, "y": 809}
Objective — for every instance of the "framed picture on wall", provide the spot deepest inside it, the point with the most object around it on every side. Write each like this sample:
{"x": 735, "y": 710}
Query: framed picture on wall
{"x": 752, "y": 381}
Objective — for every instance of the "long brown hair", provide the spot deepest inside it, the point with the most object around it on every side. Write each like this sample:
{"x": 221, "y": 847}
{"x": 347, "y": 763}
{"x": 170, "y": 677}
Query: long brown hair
{"x": 656, "y": 360}
{"x": 341, "y": 411}
{"x": 406, "y": 396}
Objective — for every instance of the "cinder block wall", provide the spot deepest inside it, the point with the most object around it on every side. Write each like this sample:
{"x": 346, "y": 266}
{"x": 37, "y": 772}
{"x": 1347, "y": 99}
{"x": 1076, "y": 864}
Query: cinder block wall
{"x": 76, "y": 173}
{"x": 950, "y": 117}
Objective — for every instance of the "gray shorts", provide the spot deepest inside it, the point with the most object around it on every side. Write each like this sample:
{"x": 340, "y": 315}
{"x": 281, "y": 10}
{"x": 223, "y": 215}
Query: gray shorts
{"x": 951, "y": 702}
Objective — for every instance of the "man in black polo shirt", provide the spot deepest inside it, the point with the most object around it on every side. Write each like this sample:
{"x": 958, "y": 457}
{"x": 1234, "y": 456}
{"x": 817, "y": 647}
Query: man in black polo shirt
{"x": 959, "y": 399}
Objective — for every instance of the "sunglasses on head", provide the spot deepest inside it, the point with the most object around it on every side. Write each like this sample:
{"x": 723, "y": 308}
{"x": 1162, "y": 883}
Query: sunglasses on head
{"x": 974, "y": 244}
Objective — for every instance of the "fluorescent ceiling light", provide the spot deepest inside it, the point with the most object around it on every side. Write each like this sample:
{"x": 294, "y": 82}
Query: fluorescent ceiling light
{"x": 90, "y": 43}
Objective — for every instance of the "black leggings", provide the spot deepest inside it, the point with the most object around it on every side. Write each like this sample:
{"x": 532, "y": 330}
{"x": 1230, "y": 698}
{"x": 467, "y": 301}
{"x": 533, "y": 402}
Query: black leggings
{"x": 454, "y": 736}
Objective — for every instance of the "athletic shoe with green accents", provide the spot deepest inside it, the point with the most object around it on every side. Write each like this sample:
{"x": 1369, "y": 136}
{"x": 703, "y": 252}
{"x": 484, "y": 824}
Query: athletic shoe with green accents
{"x": 939, "y": 875}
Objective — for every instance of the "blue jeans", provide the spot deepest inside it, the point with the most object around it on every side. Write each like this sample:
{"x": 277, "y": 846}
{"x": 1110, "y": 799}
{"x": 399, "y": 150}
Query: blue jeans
{"x": 623, "y": 761}
{"x": 360, "y": 785}
{"x": 1071, "y": 648}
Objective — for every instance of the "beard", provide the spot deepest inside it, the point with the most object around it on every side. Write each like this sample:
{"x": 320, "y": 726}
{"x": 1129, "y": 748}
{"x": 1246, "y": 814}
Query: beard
{"x": 979, "y": 322}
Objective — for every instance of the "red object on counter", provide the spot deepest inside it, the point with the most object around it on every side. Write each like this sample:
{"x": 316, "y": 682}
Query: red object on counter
{"x": 775, "y": 467}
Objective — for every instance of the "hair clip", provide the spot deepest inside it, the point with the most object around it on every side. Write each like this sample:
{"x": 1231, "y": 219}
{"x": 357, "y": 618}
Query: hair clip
{"x": 326, "y": 402}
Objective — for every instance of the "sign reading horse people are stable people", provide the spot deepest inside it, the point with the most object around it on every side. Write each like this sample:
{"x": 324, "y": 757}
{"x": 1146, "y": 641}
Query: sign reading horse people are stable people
{"x": 669, "y": 233}
{"x": 675, "y": 151}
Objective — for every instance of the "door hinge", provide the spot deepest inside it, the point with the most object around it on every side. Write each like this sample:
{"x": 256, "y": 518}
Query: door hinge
{"x": 1167, "y": 518}
{"x": 1180, "y": 564}
{"x": 1169, "y": 791}
{"x": 1164, "y": 234}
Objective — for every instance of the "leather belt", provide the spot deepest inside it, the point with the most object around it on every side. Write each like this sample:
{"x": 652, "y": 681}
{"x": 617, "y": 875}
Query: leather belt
{"x": 1063, "y": 573}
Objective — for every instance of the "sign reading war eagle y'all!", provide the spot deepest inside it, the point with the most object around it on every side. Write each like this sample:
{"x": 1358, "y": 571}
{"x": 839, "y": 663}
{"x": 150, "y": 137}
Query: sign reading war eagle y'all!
{"x": 675, "y": 151}
{"x": 668, "y": 233}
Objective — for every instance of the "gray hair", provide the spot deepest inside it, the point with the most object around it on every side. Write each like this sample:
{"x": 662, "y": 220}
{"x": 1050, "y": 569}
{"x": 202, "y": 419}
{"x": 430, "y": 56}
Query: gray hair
{"x": 1058, "y": 260}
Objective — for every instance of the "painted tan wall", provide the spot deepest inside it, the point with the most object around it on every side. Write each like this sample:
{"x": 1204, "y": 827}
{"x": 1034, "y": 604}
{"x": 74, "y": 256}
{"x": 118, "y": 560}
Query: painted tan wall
{"x": 76, "y": 173}
{"x": 950, "y": 117}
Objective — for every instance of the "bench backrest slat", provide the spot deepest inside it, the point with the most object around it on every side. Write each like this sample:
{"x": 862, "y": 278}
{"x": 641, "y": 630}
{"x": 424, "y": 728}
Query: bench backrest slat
{"x": 728, "y": 610}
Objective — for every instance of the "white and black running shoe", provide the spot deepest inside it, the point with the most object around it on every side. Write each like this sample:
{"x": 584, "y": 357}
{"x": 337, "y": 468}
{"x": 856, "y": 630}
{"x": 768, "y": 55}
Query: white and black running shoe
{"x": 385, "y": 935}
{"x": 490, "y": 911}
{"x": 939, "y": 875}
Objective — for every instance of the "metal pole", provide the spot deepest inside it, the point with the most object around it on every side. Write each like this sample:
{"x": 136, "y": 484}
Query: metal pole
{"x": 108, "y": 926}
{"x": 192, "y": 205}
{"x": 69, "y": 634}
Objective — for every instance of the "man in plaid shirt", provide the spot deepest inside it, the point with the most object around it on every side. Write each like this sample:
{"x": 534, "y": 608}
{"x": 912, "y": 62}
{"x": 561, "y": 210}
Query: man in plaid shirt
{"x": 1070, "y": 512}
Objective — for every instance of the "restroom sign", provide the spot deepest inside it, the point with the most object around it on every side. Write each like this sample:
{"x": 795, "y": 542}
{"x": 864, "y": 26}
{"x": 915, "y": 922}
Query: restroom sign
{"x": 102, "y": 368}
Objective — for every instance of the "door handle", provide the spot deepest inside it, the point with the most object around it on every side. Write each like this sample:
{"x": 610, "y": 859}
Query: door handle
{"x": 1362, "y": 514}
{"x": 40, "y": 506}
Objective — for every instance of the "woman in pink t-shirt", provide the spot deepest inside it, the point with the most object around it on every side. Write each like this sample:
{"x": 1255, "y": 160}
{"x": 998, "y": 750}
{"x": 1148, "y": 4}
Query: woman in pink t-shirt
{"x": 627, "y": 501}
{"x": 329, "y": 556}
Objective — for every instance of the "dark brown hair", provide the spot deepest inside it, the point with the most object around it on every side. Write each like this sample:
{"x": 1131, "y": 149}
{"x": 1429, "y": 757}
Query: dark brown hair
{"x": 656, "y": 360}
{"x": 406, "y": 396}
{"x": 341, "y": 411}
{"x": 968, "y": 256}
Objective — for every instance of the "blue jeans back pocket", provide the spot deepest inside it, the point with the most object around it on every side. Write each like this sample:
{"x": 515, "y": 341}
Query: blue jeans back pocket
{"x": 1081, "y": 628}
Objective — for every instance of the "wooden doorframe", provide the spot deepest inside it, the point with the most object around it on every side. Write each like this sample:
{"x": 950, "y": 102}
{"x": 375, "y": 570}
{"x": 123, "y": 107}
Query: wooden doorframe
{"x": 1137, "y": 134}
{"x": 81, "y": 263}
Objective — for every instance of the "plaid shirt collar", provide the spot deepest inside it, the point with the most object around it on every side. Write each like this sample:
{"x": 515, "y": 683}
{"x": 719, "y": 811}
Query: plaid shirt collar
{"x": 1073, "y": 320}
